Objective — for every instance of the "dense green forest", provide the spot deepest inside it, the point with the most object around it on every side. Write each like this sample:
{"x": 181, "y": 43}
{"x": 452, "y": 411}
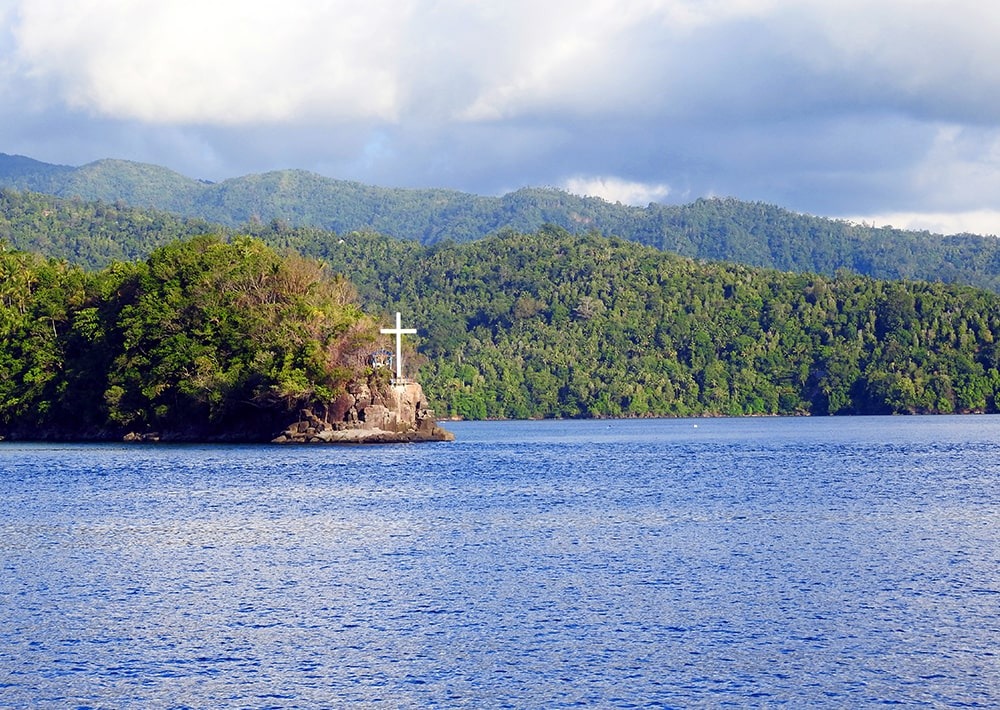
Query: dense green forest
{"x": 90, "y": 234}
{"x": 204, "y": 339}
{"x": 549, "y": 324}
{"x": 560, "y": 325}
{"x": 751, "y": 233}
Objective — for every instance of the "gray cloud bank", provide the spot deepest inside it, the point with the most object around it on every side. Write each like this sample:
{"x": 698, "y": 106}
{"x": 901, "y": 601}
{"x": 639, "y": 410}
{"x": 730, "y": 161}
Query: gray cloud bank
{"x": 878, "y": 109}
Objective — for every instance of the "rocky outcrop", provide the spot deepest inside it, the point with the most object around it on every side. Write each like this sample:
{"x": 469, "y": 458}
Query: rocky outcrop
{"x": 369, "y": 413}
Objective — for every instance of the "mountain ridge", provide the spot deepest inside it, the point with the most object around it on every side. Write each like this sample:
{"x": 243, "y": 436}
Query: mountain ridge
{"x": 751, "y": 233}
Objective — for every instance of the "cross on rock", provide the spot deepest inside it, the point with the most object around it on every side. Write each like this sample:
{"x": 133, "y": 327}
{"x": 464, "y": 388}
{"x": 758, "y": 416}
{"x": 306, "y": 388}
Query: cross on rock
{"x": 399, "y": 331}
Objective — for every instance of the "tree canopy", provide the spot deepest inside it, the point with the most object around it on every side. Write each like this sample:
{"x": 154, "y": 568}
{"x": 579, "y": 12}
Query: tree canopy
{"x": 752, "y": 233}
{"x": 559, "y": 325}
{"x": 204, "y": 339}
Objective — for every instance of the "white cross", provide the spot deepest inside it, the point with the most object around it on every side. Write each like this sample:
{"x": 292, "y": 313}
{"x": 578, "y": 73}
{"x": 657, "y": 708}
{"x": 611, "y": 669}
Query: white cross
{"x": 399, "y": 331}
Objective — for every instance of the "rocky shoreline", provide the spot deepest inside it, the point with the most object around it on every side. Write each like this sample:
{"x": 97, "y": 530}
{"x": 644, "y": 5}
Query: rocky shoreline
{"x": 369, "y": 413}
{"x": 376, "y": 411}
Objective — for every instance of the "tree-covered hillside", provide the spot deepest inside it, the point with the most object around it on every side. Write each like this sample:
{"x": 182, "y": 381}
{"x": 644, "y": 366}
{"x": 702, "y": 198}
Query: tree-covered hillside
{"x": 89, "y": 234}
{"x": 26, "y": 173}
{"x": 554, "y": 324}
{"x": 750, "y": 233}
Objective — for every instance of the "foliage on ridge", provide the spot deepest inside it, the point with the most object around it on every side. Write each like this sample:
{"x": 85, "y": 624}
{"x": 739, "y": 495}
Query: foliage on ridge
{"x": 559, "y": 325}
{"x": 90, "y": 234}
{"x": 752, "y": 233}
{"x": 516, "y": 325}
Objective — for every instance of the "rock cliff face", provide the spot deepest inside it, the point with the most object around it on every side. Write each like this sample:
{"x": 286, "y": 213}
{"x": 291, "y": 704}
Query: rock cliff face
{"x": 369, "y": 412}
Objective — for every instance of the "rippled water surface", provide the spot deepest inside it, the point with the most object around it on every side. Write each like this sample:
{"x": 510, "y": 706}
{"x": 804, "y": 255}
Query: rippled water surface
{"x": 833, "y": 562}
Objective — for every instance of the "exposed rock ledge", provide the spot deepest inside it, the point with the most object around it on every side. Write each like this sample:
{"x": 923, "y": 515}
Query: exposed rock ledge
{"x": 369, "y": 413}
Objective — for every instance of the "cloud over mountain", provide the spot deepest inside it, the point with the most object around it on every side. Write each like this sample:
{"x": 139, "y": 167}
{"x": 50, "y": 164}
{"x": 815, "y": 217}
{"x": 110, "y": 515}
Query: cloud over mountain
{"x": 860, "y": 106}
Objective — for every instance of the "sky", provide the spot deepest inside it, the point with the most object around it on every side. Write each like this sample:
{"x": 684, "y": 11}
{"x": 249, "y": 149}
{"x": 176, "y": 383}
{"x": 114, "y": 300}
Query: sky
{"x": 881, "y": 111}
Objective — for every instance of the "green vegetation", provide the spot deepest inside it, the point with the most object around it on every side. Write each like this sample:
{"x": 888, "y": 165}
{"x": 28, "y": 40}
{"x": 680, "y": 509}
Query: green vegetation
{"x": 750, "y": 233}
{"x": 558, "y": 325}
{"x": 204, "y": 340}
{"x": 90, "y": 234}
{"x": 220, "y": 334}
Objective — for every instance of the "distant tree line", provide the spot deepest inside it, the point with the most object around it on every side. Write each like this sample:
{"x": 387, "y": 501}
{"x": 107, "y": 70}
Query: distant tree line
{"x": 90, "y": 234}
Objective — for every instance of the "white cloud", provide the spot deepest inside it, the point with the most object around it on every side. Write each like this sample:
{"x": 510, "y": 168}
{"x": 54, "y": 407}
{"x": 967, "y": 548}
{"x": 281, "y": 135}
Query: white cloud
{"x": 221, "y": 62}
{"x": 960, "y": 168}
{"x": 615, "y": 189}
{"x": 956, "y": 181}
{"x": 935, "y": 58}
{"x": 236, "y": 61}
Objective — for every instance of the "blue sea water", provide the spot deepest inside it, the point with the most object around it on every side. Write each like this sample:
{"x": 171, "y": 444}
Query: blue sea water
{"x": 838, "y": 562}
